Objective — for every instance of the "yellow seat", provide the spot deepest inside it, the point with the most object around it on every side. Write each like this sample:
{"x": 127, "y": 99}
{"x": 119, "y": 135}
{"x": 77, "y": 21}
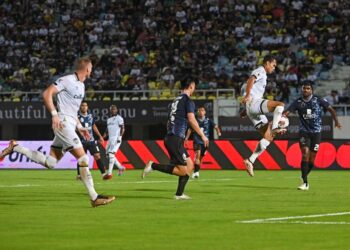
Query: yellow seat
{"x": 153, "y": 98}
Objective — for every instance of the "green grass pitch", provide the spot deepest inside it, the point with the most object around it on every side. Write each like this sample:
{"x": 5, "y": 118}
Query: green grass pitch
{"x": 49, "y": 209}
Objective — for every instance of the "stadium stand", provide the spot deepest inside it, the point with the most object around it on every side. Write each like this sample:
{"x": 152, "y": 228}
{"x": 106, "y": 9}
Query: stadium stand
{"x": 151, "y": 44}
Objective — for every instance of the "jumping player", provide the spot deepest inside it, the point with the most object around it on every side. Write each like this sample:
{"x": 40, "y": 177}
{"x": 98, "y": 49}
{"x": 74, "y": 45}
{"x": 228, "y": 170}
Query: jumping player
{"x": 257, "y": 107}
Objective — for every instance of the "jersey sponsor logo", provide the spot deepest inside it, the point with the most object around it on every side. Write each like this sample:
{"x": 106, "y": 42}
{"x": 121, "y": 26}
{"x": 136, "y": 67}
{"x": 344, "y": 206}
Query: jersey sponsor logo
{"x": 81, "y": 96}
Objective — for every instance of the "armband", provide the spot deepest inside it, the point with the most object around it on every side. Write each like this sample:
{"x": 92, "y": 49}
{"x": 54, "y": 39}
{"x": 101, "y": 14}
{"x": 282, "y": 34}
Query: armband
{"x": 54, "y": 112}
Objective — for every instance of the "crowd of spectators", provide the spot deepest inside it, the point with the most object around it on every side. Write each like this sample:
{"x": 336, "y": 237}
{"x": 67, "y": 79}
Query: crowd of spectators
{"x": 150, "y": 44}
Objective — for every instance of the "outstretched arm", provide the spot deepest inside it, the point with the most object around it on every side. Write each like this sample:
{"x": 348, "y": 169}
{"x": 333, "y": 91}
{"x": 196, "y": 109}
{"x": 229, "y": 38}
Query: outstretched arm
{"x": 218, "y": 131}
{"x": 334, "y": 116}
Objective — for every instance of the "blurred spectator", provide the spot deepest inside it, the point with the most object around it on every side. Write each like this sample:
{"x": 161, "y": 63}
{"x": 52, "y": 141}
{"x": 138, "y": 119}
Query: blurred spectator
{"x": 131, "y": 42}
{"x": 333, "y": 97}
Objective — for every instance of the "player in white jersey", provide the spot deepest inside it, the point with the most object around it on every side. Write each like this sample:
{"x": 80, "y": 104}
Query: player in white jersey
{"x": 115, "y": 131}
{"x": 257, "y": 107}
{"x": 69, "y": 91}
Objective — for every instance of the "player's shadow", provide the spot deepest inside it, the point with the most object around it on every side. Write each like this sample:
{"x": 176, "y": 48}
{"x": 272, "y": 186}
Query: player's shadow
{"x": 147, "y": 189}
{"x": 256, "y": 187}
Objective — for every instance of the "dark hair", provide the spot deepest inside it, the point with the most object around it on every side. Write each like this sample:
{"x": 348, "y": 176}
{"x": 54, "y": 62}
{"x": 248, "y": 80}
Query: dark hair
{"x": 268, "y": 58}
{"x": 308, "y": 83}
{"x": 112, "y": 106}
{"x": 201, "y": 107}
{"x": 186, "y": 82}
{"x": 83, "y": 101}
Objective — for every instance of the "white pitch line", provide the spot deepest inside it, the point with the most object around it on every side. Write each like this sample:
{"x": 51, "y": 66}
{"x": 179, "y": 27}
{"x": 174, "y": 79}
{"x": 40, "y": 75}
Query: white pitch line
{"x": 267, "y": 220}
{"x": 19, "y": 186}
{"x": 305, "y": 222}
{"x": 113, "y": 183}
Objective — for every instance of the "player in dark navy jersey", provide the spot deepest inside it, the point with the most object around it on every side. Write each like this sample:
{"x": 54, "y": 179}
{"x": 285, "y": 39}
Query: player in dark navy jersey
{"x": 310, "y": 109}
{"x": 87, "y": 120}
{"x": 180, "y": 115}
{"x": 206, "y": 126}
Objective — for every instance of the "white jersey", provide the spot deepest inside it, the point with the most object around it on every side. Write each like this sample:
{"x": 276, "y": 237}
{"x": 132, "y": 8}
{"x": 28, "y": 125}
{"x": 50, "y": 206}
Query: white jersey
{"x": 258, "y": 89}
{"x": 113, "y": 126}
{"x": 71, "y": 92}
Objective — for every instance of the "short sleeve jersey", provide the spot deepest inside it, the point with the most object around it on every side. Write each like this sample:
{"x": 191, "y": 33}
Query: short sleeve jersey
{"x": 70, "y": 94}
{"x": 258, "y": 89}
{"x": 177, "y": 118}
{"x": 87, "y": 121}
{"x": 310, "y": 113}
{"x": 206, "y": 125}
{"x": 113, "y": 125}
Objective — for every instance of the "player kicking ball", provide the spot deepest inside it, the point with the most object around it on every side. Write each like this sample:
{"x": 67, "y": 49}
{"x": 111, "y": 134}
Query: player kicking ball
{"x": 69, "y": 91}
{"x": 256, "y": 107}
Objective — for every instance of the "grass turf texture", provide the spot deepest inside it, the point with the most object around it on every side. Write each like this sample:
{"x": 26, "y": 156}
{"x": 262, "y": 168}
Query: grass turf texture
{"x": 51, "y": 210}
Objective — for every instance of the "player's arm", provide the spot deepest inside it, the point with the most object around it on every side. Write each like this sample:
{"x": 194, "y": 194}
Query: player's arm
{"x": 48, "y": 94}
{"x": 97, "y": 132}
{"x": 105, "y": 134}
{"x": 188, "y": 134}
{"x": 217, "y": 129}
{"x": 194, "y": 125}
{"x": 334, "y": 116}
{"x": 83, "y": 131}
{"x": 250, "y": 83}
{"x": 243, "y": 113}
{"x": 122, "y": 130}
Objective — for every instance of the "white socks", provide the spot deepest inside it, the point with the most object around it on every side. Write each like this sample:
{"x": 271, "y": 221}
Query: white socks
{"x": 88, "y": 182}
{"x": 262, "y": 145}
{"x": 112, "y": 160}
{"x": 36, "y": 156}
{"x": 277, "y": 114}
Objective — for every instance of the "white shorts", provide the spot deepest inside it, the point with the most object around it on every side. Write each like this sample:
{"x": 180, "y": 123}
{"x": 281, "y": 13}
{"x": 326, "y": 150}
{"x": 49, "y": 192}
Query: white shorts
{"x": 113, "y": 145}
{"x": 256, "y": 109}
{"x": 66, "y": 138}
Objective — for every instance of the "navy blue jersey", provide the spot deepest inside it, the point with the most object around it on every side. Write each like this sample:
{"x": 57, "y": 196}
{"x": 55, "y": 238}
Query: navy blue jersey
{"x": 310, "y": 113}
{"x": 87, "y": 121}
{"x": 206, "y": 125}
{"x": 177, "y": 119}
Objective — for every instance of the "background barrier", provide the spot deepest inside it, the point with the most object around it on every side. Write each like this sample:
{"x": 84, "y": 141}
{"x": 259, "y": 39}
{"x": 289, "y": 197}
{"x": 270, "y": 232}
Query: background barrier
{"x": 222, "y": 154}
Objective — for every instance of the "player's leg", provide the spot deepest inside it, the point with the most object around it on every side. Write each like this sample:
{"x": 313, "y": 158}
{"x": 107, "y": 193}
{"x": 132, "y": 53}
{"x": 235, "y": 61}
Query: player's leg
{"x": 48, "y": 161}
{"x": 83, "y": 161}
{"x": 314, "y": 147}
{"x": 183, "y": 179}
{"x": 197, "y": 159}
{"x": 95, "y": 152}
{"x": 86, "y": 149}
{"x": 304, "y": 143}
{"x": 120, "y": 167}
{"x": 110, "y": 151}
{"x": 264, "y": 128}
{"x": 277, "y": 109}
{"x": 101, "y": 167}
{"x": 180, "y": 164}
